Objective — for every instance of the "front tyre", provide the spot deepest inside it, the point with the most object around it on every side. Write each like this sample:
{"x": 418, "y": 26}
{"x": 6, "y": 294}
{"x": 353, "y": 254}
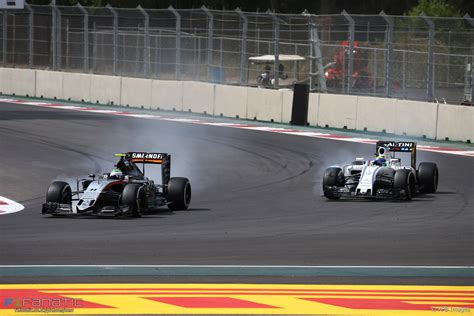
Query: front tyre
{"x": 333, "y": 177}
{"x": 59, "y": 192}
{"x": 133, "y": 196}
{"x": 179, "y": 194}
{"x": 404, "y": 180}
{"x": 428, "y": 177}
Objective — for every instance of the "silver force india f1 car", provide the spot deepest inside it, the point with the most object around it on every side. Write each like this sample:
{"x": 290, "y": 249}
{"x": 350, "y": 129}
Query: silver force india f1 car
{"x": 125, "y": 191}
{"x": 384, "y": 177}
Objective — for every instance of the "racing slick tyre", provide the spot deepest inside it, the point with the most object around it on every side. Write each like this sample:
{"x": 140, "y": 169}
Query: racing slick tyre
{"x": 179, "y": 194}
{"x": 332, "y": 177}
{"x": 405, "y": 180}
{"x": 134, "y": 197}
{"x": 59, "y": 192}
{"x": 428, "y": 177}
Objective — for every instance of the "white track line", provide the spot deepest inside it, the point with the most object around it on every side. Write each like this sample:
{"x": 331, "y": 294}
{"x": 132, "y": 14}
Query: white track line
{"x": 8, "y": 206}
{"x": 227, "y": 266}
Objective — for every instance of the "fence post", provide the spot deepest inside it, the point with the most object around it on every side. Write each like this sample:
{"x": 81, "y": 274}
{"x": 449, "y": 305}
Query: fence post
{"x": 86, "y": 36}
{"x": 389, "y": 55}
{"x": 58, "y": 31}
{"x": 350, "y": 66}
{"x": 316, "y": 57}
{"x": 67, "y": 44}
{"x": 243, "y": 48}
{"x": 30, "y": 34}
{"x": 146, "y": 41}
{"x": 469, "y": 76}
{"x": 276, "y": 38}
{"x": 178, "y": 41}
{"x": 5, "y": 34}
{"x": 53, "y": 34}
{"x": 114, "y": 13}
{"x": 430, "y": 70}
{"x": 210, "y": 39}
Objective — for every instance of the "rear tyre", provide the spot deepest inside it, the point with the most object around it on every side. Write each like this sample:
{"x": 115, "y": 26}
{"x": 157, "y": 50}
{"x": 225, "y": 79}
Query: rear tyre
{"x": 333, "y": 176}
{"x": 428, "y": 177}
{"x": 404, "y": 180}
{"x": 179, "y": 194}
{"x": 59, "y": 192}
{"x": 134, "y": 197}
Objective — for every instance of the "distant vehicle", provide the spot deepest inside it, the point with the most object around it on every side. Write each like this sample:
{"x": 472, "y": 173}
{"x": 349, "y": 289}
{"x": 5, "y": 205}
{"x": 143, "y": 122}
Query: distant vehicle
{"x": 267, "y": 77}
{"x": 125, "y": 191}
{"x": 335, "y": 71}
{"x": 384, "y": 177}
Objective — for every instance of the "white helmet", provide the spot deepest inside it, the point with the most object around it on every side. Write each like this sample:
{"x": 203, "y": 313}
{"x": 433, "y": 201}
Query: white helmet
{"x": 116, "y": 173}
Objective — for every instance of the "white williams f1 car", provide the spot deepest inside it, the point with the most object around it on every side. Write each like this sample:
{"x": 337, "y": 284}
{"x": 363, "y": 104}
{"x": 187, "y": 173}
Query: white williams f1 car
{"x": 125, "y": 191}
{"x": 384, "y": 177}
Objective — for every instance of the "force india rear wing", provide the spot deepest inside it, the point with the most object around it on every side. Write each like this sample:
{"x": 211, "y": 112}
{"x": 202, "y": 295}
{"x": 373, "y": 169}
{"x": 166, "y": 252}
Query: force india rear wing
{"x": 403, "y": 147}
{"x": 162, "y": 159}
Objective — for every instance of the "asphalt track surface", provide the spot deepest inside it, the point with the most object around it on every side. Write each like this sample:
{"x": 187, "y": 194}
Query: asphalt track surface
{"x": 256, "y": 200}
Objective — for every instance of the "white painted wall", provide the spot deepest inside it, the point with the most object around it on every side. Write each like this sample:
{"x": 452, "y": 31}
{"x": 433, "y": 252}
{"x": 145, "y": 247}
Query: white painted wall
{"x": 198, "y": 97}
{"x": 230, "y": 101}
{"x": 376, "y": 114}
{"x": 401, "y": 117}
{"x": 455, "y": 122}
{"x": 106, "y": 89}
{"x": 49, "y": 84}
{"x": 337, "y": 111}
{"x": 265, "y": 104}
{"x": 167, "y": 95}
{"x": 77, "y": 87}
{"x": 136, "y": 92}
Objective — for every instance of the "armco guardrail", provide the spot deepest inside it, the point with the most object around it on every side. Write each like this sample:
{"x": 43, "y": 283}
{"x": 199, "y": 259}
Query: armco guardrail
{"x": 410, "y": 118}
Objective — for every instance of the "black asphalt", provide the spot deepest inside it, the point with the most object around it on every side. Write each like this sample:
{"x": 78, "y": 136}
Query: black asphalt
{"x": 256, "y": 199}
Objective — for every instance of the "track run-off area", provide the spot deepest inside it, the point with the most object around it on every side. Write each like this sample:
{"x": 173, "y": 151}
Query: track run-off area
{"x": 258, "y": 238}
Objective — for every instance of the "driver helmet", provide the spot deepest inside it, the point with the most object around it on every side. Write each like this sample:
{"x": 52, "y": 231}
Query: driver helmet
{"x": 380, "y": 161}
{"x": 116, "y": 173}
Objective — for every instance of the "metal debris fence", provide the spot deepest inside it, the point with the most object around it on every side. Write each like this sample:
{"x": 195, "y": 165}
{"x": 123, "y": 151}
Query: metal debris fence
{"x": 417, "y": 58}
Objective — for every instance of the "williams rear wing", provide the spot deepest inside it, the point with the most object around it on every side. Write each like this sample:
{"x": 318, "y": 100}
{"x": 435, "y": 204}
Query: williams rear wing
{"x": 402, "y": 147}
{"x": 162, "y": 159}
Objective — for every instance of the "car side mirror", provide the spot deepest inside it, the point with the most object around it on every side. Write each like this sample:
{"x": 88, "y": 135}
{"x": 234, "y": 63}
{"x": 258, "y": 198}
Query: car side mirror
{"x": 91, "y": 175}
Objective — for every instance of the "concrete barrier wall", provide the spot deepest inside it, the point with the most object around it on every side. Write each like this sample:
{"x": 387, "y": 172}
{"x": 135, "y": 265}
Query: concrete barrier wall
{"x": 339, "y": 111}
{"x": 415, "y": 118}
{"x": 401, "y": 117}
{"x": 136, "y": 92}
{"x": 167, "y": 95}
{"x": 105, "y": 89}
{"x": 230, "y": 101}
{"x": 18, "y": 81}
{"x": 77, "y": 87}
{"x": 455, "y": 122}
{"x": 376, "y": 114}
{"x": 264, "y": 104}
{"x": 313, "y": 108}
{"x": 49, "y": 84}
{"x": 198, "y": 97}
{"x": 287, "y": 106}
